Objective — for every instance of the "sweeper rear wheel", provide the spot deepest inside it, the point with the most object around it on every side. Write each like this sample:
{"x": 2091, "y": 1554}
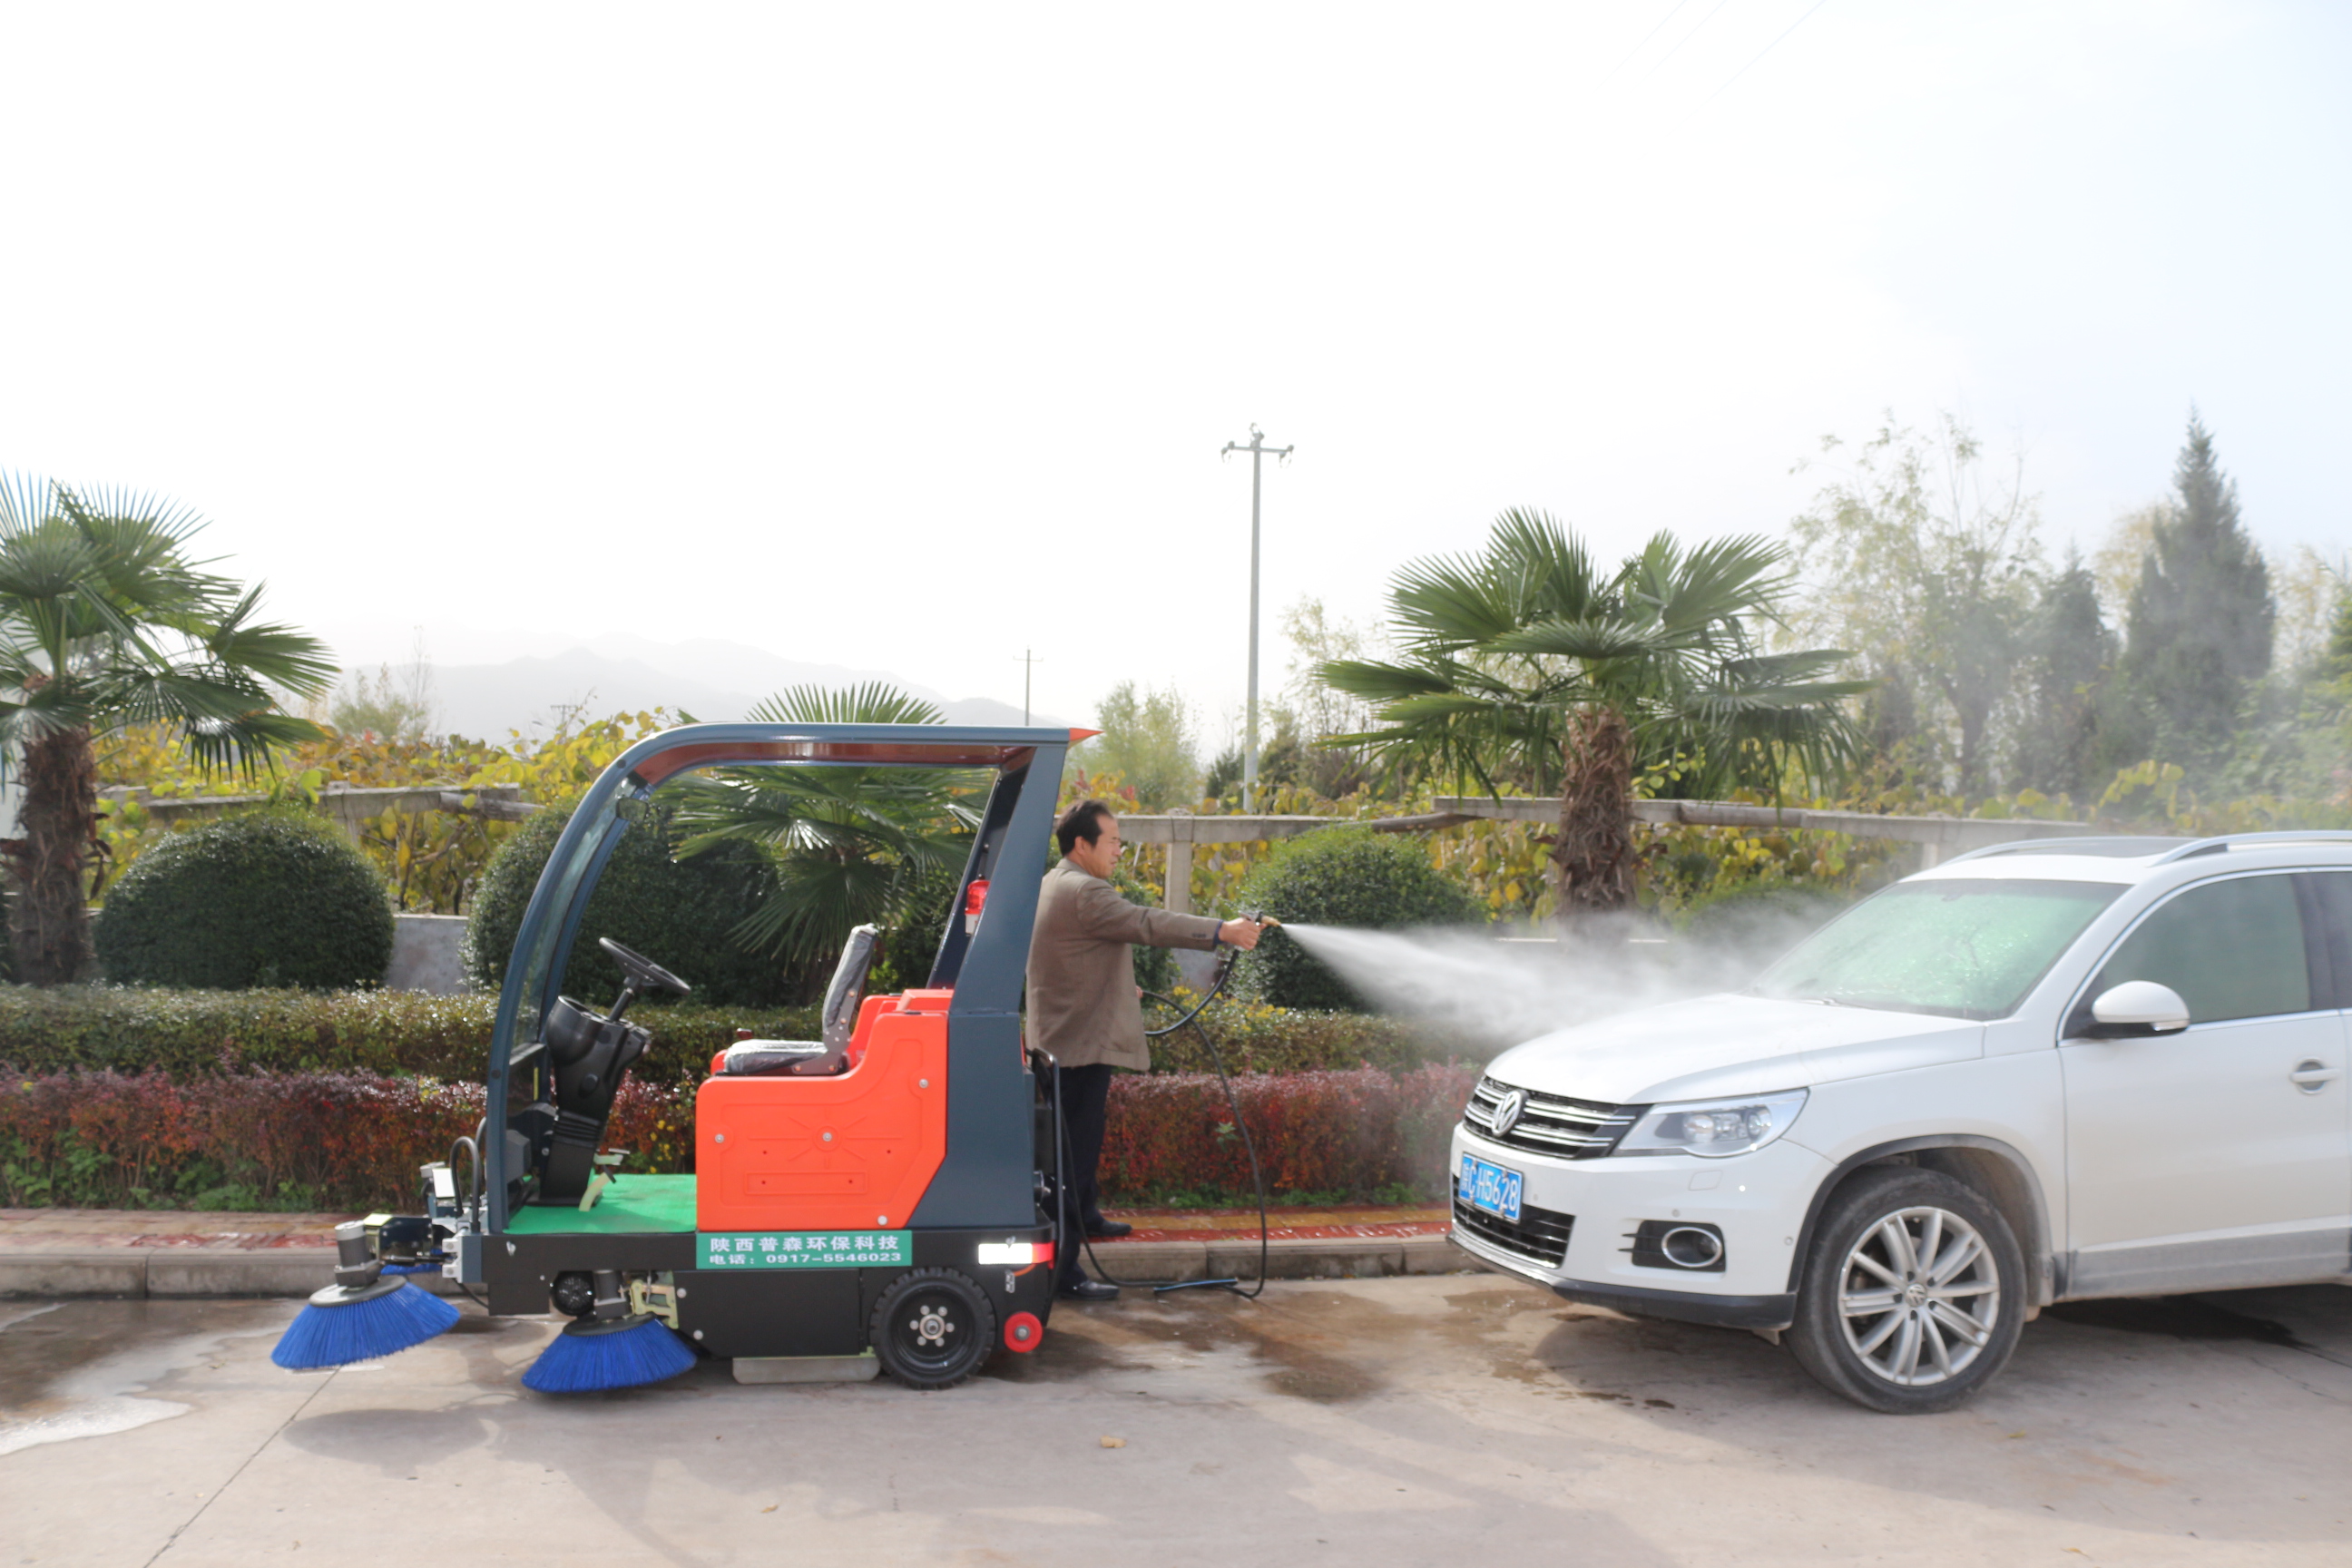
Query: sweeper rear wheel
{"x": 932, "y": 1328}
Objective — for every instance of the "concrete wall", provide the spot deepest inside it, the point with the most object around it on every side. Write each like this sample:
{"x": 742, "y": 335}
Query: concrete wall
{"x": 424, "y": 955}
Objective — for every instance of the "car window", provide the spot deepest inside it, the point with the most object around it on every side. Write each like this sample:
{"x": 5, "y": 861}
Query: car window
{"x": 2332, "y": 893}
{"x": 1971, "y": 949}
{"x": 2233, "y": 950}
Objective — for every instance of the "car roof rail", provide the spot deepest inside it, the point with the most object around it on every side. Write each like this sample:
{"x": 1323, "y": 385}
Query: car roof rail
{"x": 2114, "y": 845}
{"x": 2222, "y": 842}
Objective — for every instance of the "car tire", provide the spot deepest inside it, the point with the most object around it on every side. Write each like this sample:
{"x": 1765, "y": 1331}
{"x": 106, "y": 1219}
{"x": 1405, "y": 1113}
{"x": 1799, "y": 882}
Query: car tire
{"x": 932, "y": 1328}
{"x": 1913, "y": 1294}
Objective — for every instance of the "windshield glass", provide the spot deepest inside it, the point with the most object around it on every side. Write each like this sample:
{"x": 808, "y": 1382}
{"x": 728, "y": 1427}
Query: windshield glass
{"x": 1966, "y": 949}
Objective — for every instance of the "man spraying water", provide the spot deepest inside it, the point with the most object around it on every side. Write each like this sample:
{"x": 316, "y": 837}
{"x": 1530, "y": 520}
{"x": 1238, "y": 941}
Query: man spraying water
{"x": 1086, "y": 1010}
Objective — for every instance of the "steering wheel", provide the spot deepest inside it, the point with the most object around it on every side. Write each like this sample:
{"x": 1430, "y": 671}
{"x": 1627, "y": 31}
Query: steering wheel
{"x": 642, "y": 972}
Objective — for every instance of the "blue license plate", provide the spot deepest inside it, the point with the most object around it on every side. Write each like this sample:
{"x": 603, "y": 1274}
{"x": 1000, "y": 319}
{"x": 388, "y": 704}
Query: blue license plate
{"x": 1492, "y": 1188}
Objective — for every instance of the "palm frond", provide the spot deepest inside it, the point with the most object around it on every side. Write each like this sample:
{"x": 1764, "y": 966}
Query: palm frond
{"x": 1593, "y": 641}
{"x": 292, "y": 660}
{"x": 876, "y": 702}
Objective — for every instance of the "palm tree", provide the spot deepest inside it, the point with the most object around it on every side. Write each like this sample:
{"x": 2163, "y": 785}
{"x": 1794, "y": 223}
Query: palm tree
{"x": 853, "y": 845}
{"x": 1525, "y": 664}
{"x": 105, "y": 623}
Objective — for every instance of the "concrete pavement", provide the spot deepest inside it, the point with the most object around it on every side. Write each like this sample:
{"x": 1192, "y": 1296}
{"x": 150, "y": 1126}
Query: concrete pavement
{"x": 1459, "y": 1421}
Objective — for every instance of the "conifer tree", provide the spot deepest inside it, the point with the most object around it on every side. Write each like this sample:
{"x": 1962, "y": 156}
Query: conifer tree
{"x": 2070, "y": 649}
{"x": 2198, "y": 632}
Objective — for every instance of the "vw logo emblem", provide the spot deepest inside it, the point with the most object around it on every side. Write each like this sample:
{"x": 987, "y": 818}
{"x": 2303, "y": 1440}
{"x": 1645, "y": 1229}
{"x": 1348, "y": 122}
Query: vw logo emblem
{"x": 1506, "y": 1111}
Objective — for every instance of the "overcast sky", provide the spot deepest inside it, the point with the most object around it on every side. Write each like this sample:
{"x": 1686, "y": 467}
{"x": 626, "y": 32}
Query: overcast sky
{"x": 906, "y": 337}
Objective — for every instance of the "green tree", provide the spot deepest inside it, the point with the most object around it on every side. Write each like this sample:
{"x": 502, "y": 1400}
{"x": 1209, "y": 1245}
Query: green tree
{"x": 1148, "y": 739}
{"x": 1526, "y": 664}
{"x": 395, "y": 703}
{"x": 2336, "y": 664}
{"x": 852, "y": 846}
{"x": 2069, "y": 653}
{"x": 105, "y": 623}
{"x": 1929, "y": 565}
{"x": 2198, "y": 633}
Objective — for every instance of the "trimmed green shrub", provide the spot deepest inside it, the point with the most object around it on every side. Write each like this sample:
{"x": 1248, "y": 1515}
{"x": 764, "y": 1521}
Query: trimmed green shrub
{"x": 1348, "y": 876}
{"x": 1253, "y": 1037}
{"x": 1155, "y": 967}
{"x": 192, "y": 1033}
{"x": 268, "y": 899}
{"x": 680, "y": 914}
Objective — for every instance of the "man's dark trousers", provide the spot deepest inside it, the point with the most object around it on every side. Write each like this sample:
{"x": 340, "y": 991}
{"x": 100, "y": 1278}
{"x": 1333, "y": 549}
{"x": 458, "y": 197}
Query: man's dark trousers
{"x": 1085, "y": 1092}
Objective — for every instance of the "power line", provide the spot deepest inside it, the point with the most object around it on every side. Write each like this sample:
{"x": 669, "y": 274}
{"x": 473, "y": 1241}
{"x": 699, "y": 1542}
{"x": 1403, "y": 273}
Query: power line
{"x": 1767, "y": 50}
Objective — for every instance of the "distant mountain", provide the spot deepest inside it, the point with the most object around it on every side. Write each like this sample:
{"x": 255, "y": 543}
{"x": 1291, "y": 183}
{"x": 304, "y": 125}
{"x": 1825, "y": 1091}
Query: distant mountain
{"x": 708, "y": 678}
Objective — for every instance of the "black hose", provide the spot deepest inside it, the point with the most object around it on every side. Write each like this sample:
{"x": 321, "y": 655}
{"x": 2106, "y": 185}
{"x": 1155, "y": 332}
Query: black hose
{"x": 1257, "y": 1176}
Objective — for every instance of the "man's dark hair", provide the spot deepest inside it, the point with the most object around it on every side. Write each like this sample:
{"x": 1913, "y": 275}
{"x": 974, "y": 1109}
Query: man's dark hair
{"x": 1083, "y": 820}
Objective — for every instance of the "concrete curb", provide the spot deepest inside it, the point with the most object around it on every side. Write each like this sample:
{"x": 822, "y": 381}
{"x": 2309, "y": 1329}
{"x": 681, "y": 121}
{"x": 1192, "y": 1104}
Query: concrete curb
{"x": 136, "y": 1273}
{"x": 295, "y": 1272}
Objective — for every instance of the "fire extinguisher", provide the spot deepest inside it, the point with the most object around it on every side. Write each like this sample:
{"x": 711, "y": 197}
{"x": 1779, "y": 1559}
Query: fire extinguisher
{"x": 975, "y": 900}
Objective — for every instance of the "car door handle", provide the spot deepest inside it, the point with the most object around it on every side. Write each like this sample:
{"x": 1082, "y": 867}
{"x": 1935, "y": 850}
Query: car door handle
{"x": 2310, "y": 1077}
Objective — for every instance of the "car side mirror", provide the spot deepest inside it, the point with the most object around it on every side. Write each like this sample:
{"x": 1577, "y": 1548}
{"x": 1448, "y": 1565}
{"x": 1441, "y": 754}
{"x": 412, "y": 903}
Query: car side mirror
{"x": 2137, "y": 1007}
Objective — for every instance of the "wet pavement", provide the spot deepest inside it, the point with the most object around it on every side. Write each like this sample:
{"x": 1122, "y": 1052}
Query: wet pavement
{"x": 1447, "y": 1420}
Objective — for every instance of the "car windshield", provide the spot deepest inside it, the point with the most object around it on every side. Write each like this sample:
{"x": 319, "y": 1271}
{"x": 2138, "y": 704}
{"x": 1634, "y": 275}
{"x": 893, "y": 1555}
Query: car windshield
{"x": 1966, "y": 949}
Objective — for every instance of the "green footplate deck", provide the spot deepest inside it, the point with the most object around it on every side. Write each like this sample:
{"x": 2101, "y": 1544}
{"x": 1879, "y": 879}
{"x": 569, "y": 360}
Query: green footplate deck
{"x": 632, "y": 1206}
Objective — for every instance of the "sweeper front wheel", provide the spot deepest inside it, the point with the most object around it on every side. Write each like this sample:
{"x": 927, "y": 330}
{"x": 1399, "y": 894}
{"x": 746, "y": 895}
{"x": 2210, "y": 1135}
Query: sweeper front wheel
{"x": 932, "y": 1328}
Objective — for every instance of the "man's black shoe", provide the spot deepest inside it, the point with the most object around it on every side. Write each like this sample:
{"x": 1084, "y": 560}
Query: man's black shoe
{"x": 1108, "y": 1229}
{"x": 1089, "y": 1290}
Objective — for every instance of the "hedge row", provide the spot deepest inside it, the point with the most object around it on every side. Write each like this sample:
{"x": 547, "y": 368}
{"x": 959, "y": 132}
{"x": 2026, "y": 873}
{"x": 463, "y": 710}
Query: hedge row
{"x": 344, "y": 1139}
{"x": 187, "y": 1033}
{"x": 294, "y": 1140}
{"x": 1356, "y": 1133}
{"x": 1253, "y": 1037}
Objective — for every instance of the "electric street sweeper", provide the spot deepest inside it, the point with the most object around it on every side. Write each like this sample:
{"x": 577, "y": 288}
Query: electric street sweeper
{"x": 890, "y": 1187}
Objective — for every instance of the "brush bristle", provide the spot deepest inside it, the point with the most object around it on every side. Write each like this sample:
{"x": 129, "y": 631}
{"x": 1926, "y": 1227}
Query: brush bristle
{"x": 582, "y": 1363}
{"x": 342, "y": 1333}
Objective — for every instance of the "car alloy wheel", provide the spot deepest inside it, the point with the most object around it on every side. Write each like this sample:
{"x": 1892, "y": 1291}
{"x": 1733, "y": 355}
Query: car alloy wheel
{"x": 1918, "y": 1295}
{"x": 1913, "y": 1293}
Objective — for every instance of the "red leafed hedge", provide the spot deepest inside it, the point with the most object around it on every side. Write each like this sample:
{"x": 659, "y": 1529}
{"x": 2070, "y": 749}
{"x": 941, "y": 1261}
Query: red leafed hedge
{"x": 354, "y": 1140}
{"x": 1353, "y": 1132}
{"x": 235, "y": 1141}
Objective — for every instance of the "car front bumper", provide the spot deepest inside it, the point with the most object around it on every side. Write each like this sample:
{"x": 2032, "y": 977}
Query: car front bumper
{"x": 1755, "y": 1202}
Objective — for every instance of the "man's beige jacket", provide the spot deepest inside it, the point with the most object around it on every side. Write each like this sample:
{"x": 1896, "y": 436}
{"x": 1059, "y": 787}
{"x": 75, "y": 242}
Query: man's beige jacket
{"x": 1082, "y": 1003}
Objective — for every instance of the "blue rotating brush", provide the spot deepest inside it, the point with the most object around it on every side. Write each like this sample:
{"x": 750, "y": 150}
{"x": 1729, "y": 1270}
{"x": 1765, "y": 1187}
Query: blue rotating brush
{"x": 362, "y": 1315}
{"x": 612, "y": 1348}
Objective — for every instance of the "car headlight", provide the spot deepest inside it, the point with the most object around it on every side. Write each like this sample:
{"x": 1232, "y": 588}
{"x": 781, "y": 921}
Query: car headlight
{"x": 1712, "y": 1128}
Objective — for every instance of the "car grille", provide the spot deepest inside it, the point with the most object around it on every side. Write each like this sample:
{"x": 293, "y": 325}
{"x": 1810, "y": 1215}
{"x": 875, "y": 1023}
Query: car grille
{"x": 1540, "y": 1236}
{"x": 1565, "y": 1128}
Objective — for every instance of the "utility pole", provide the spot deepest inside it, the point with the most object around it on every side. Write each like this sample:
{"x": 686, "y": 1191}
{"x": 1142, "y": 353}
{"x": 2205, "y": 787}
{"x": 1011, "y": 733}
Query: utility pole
{"x": 1029, "y": 661}
{"x": 1257, "y": 449}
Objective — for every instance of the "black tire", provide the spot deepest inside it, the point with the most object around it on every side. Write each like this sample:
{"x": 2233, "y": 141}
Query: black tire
{"x": 1892, "y": 1331}
{"x": 932, "y": 1328}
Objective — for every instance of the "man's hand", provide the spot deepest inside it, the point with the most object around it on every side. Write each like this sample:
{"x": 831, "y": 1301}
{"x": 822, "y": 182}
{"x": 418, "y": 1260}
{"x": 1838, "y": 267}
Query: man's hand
{"x": 1243, "y": 934}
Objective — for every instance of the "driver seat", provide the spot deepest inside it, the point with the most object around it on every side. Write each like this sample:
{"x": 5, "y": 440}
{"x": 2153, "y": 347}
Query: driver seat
{"x": 815, "y": 1058}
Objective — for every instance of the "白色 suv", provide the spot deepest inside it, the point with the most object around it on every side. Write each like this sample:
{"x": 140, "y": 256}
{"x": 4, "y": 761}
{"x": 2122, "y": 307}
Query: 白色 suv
{"x": 2038, "y": 1072}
